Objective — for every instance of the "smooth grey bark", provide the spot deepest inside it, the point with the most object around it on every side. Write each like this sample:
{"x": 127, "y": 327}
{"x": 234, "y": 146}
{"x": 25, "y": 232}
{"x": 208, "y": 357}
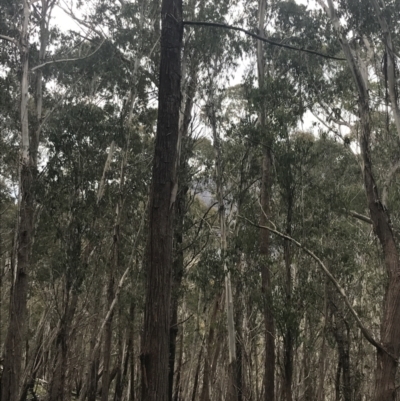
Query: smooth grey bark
{"x": 29, "y": 142}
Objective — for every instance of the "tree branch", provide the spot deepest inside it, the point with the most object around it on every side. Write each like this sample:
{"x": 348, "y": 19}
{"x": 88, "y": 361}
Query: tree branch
{"x": 262, "y": 38}
{"x": 67, "y": 59}
{"x": 359, "y": 216}
{"x": 367, "y": 334}
{"x": 9, "y": 39}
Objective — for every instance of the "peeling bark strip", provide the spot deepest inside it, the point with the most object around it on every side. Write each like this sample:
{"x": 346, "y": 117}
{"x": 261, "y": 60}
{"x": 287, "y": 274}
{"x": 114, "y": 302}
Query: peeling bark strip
{"x": 155, "y": 340}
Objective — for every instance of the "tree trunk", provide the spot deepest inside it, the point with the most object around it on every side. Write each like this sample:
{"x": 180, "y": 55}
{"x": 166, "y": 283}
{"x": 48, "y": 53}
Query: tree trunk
{"x": 113, "y": 267}
{"x": 196, "y": 375}
{"x": 178, "y": 385}
{"x": 231, "y": 394}
{"x": 17, "y": 330}
{"x": 269, "y": 325}
{"x": 205, "y": 391}
{"x": 385, "y": 387}
{"x": 266, "y": 182}
{"x": 341, "y": 333}
{"x": 58, "y": 381}
{"x": 288, "y": 336}
{"x": 155, "y": 339}
{"x": 322, "y": 354}
{"x": 178, "y": 265}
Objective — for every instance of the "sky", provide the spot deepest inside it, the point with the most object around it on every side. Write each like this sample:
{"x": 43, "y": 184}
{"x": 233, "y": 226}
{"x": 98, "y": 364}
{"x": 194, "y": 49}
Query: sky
{"x": 65, "y": 23}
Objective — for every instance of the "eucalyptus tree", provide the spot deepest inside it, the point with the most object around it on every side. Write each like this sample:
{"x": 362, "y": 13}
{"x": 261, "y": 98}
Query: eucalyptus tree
{"x": 155, "y": 340}
{"x": 358, "y": 57}
{"x": 20, "y": 20}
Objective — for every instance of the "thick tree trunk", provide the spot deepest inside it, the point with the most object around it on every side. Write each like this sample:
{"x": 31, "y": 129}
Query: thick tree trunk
{"x": 155, "y": 339}
{"x": 385, "y": 389}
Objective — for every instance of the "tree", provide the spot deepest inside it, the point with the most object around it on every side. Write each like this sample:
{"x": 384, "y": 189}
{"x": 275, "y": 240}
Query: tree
{"x": 388, "y": 350}
{"x": 155, "y": 340}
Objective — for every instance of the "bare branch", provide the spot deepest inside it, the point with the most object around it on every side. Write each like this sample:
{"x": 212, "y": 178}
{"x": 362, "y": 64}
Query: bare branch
{"x": 262, "y": 38}
{"x": 67, "y": 59}
{"x": 367, "y": 334}
{"x": 9, "y": 39}
{"x": 359, "y": 216}
{"x": 82, "y": 22}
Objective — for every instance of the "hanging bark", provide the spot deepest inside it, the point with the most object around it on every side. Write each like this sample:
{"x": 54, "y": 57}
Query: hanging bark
{"x": 155, "y": 339}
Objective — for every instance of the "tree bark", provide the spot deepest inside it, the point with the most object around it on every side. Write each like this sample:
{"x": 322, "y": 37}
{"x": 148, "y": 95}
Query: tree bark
{"x": 208, "y": 363}
{"x": 16, "y": 334}
{"x": 342, "y": 337}
{"x": 231, "y": 394}
{"x": 155, "y": 339}
{"x": 178, "y": 385}
{"x": 266, "y": 183}
{"x": 288, "y": 336}
{"x": 178, "y": 264}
